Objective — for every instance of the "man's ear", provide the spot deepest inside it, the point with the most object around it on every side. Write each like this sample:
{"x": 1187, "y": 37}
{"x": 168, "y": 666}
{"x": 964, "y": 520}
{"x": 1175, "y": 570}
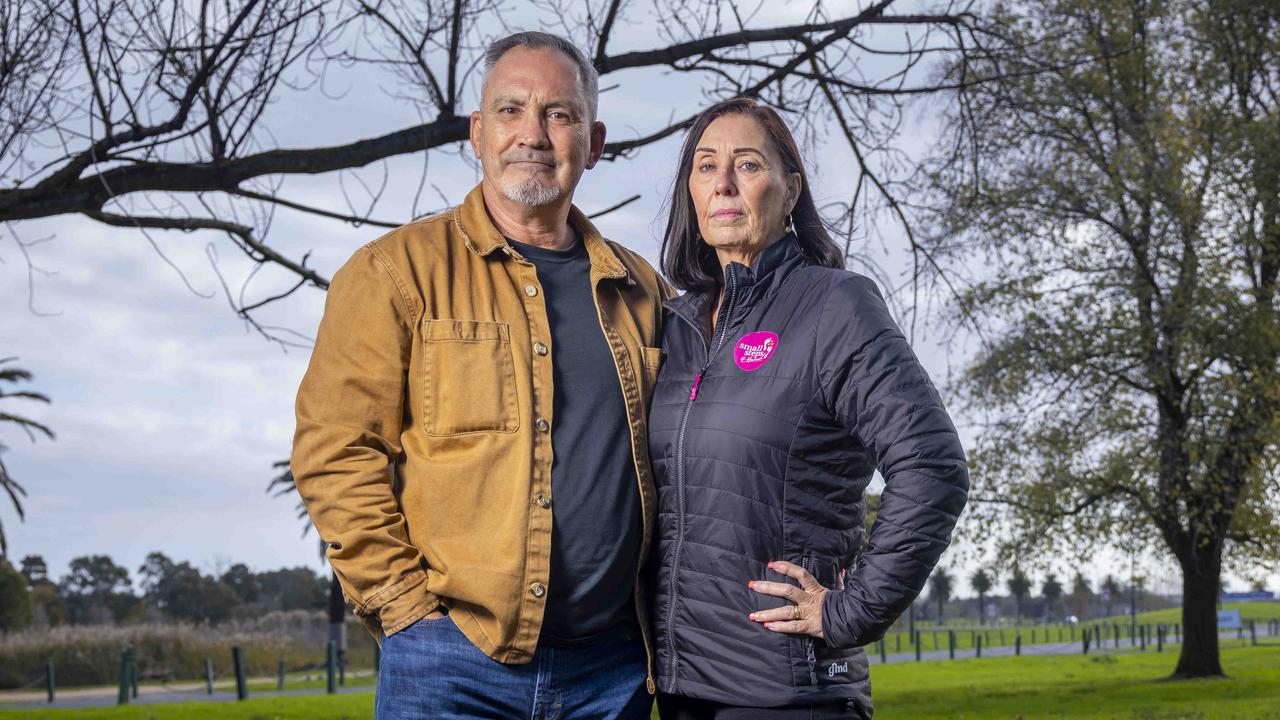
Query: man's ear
{"x": 475, "y": 133}
{"x": 597, "y": 144}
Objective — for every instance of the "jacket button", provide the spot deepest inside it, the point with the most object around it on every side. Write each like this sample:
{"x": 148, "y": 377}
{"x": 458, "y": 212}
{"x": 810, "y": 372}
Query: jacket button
{"x": 537, "y": 590}
{"x": 541, "y": 424}
{"x": 539, "y": 348}
{"x": 530, "y": 290}
{"x": 543, "y": 501}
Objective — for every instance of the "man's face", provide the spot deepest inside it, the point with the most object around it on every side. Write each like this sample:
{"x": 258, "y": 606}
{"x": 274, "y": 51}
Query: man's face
{"x": 533, "y": 133}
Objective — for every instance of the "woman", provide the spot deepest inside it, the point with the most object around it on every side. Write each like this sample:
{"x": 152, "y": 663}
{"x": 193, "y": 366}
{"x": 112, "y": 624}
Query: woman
{"x": 785, "y": 383}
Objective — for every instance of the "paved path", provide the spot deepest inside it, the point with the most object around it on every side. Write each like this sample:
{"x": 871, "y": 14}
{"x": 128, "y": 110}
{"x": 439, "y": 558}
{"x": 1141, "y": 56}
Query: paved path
{"x": 168, "y": 693}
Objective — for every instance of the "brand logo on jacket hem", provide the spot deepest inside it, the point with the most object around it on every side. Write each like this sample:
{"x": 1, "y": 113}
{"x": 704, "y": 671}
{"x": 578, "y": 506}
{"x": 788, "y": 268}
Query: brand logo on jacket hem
{"x": 835, "y": 668}
{"x": 754, "y": 350}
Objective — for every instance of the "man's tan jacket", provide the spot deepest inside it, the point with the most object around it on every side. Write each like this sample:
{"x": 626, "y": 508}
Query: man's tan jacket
{"x": 423, "y": 445}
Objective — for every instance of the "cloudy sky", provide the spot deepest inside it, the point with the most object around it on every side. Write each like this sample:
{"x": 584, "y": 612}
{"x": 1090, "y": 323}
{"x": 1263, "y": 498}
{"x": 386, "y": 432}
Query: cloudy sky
{"x": 169, "y": 411}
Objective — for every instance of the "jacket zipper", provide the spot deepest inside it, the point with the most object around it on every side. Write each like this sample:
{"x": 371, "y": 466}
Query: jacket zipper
{"x": 718, "y": 340}
{"x": 807, "y": 563}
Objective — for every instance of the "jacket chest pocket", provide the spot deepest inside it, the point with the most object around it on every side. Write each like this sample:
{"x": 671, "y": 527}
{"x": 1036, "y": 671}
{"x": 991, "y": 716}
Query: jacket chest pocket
{"x": 469, "y": 379}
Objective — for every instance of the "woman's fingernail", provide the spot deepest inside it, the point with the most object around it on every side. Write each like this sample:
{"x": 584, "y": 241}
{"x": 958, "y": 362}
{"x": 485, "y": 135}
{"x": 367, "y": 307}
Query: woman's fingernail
{"x": 752, "y": 616}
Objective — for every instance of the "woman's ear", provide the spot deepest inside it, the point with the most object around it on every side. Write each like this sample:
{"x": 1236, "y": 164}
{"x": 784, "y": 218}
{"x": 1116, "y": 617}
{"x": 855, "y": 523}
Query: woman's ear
{"x": 793, "y": 191}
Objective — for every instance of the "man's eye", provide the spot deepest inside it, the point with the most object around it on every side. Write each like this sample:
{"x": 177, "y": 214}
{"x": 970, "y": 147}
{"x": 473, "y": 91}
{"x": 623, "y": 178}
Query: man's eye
{"x": 506, "y": 110}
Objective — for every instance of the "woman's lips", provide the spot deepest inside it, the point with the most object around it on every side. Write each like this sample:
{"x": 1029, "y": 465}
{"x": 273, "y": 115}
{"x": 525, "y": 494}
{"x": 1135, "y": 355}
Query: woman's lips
{"x": 726, "y": 214}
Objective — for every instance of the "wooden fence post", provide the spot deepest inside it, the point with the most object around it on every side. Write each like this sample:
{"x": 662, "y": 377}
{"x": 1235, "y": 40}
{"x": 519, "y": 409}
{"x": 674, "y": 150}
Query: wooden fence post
{"x": 237, "y": 659}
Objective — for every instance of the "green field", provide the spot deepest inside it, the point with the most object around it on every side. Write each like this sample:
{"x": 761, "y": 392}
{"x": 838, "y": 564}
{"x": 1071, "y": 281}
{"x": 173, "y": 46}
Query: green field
{"x": 934, "y": 637}
{"x": 1129, "y": 686}
{"x": 1259, "y": 612}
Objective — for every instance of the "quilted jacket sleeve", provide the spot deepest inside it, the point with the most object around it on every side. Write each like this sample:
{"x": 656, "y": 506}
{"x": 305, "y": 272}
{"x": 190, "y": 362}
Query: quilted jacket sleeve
{"x": 877, "y": 388}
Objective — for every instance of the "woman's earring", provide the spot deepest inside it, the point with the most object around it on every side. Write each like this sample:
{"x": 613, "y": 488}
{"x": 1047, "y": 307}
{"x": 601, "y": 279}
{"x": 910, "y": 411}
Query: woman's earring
{"x": 791, "y": 226}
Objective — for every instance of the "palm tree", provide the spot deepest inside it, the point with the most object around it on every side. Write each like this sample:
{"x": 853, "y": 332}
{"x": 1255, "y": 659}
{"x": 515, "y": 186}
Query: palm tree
{"x": 1019, "y": 586}
{"x": 981, "y": 582}
{"x": 1051, "y": 591}
{"x": 283, "y": 484}
{"x": 940, "y": 589}
{"x": 14, "y": 375}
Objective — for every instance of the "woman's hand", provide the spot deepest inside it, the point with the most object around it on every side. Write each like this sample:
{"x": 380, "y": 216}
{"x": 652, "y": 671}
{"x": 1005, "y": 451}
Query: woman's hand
{"x": 804, "y": 615}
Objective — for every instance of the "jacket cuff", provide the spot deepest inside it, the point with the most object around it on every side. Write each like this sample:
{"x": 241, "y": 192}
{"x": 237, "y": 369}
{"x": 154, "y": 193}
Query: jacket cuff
{"x": 836, "y": 628}
{"x": 405, "y": 603}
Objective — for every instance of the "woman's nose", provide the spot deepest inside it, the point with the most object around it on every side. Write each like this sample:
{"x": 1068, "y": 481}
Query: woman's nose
{"x": 725, "y": 184}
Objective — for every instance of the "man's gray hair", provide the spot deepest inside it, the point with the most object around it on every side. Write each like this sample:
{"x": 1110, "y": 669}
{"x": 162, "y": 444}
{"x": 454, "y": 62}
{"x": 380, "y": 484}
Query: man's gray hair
{"x": 533, "y": 40}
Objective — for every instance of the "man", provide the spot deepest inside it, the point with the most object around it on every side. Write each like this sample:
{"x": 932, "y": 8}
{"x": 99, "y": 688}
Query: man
{"x": 471, "y": 429}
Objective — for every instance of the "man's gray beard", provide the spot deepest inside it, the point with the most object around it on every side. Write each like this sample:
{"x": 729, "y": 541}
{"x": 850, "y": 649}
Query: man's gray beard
{"x": 530, "y": 192}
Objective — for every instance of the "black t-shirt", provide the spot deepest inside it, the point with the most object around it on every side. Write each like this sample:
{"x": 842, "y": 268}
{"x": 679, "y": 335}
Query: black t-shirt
{"x": 595, "y": 503}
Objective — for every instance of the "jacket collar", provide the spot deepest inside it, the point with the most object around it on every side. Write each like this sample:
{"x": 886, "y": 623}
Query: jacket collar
{"x": 482, "y": 237}
{"x": 761, "y": 279}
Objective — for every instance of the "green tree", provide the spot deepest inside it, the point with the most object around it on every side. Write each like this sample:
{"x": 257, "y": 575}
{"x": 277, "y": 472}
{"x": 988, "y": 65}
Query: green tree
{"x": 182, "y": 592}
{"x": 1110, "y": 591}
{"x": 1051, "y": 591}
{"x": 1120, "y": 189}
{"x": 15, "y": 598}
{"x": 1081, "y": 596}
{"x": 34, "y": 569}
{"x": 982, "y": 583}
{"x": 940, "y": 587}
{"x": 96, "y": 589}
{"x": 243, "y": 582}
{"x": 1019, "y": 587}
{"x": 8, "y": 484}
{"x": 294, "y": 589}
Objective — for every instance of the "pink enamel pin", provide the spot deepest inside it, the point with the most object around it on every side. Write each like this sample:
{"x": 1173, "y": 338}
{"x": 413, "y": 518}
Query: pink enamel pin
{"x": 754, "y": 350}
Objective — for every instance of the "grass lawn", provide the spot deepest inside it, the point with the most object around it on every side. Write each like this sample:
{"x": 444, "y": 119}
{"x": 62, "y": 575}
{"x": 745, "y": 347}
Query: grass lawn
{"x": 934, "y": 637}
{"x": 1130, "y": 686}
{"x": 1258, "y": 611}
{"x": 1070, "y": 687}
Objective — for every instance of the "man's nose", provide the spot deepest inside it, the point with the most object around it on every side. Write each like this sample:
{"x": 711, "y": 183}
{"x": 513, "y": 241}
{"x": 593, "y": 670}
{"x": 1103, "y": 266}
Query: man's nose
{"x": 533, "y": 131}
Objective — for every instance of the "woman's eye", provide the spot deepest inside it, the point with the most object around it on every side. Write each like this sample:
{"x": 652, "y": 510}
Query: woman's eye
{"x": 750, "y": 166}
{"x": 706, "y": 167}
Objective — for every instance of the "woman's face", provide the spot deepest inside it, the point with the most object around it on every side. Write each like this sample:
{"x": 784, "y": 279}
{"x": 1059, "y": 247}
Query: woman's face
{"x": 741, "y": 192}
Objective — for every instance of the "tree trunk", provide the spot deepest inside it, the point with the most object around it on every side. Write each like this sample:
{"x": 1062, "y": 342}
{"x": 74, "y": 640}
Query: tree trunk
{"x": 337, "y": 616}
{"x": 1201, "y": 571}
{"x": 982, "y": 608}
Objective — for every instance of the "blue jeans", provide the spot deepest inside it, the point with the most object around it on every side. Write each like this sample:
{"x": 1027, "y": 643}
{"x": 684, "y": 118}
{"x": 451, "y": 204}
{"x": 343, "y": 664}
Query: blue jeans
{"x": 431, "y": 670}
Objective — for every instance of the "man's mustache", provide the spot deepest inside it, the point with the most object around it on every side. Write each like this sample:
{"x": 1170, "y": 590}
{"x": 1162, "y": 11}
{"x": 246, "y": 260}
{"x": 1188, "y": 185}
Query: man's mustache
{"x": 544, "y": 158}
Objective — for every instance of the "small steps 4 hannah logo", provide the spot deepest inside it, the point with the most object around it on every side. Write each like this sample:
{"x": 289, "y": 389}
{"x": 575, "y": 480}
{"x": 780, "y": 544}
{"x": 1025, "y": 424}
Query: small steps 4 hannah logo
{"x": 754, "y": 350}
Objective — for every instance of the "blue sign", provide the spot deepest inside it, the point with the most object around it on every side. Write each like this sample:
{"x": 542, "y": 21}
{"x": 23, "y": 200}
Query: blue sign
{"x": 1229, "y": 620}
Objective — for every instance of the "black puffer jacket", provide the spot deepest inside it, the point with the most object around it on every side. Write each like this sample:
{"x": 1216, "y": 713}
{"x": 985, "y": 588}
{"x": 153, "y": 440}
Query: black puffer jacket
{"x": 763, "y": 437}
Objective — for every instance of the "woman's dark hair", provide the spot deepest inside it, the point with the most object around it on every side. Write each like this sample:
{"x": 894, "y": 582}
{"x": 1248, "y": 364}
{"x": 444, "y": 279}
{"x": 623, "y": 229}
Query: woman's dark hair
{"x": 691, "y": 264}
